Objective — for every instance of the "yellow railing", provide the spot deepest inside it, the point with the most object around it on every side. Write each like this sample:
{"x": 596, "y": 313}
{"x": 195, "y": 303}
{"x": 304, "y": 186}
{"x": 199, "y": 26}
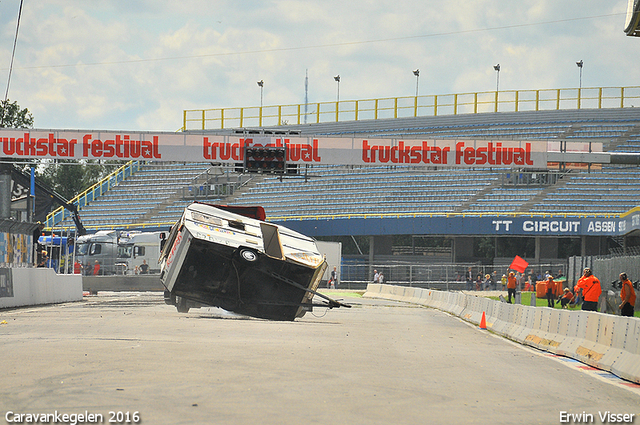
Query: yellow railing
{"x": 412, "y": 106}
{"x": 631, "y": 211}
{"x": 89, "y": 195}
{"x": 451, "y": 214}
{"x": 121, "y": 226}
{"x": 163, "y": 224}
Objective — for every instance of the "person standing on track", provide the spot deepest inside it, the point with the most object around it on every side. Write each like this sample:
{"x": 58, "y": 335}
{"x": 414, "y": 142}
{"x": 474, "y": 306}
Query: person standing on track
{"x": 511, "y": 286}
{"x": 550, "y": 287}
{"x": 333, "y": 280}
{"x": 628, "y": 296}
{"x": 590, "y": 289}
{"x": 487, "y": 282}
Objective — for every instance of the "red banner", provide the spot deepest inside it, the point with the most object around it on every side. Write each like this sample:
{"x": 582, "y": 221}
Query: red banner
{"x": 202, "y": 147}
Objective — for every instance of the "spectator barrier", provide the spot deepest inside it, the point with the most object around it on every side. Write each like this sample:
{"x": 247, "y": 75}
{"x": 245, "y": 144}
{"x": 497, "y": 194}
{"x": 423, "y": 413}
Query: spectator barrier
{"x": 600, "y": 340}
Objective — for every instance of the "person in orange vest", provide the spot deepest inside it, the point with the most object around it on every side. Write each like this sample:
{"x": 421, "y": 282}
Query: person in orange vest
{"x": 565, "y": 298}
{"x": 589, "y": 285}
{"x": 628, "y": 296}
{"x": 96, "y": 268}
{"x": 550, "y": 287}
{"x": 511, "y": 286}
{"x": 77, "y": 268}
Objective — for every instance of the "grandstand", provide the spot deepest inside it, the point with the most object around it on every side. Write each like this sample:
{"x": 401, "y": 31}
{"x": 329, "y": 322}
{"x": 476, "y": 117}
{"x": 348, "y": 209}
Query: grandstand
{"x": 157, "y": 193}
{"x": 613, "y": 126}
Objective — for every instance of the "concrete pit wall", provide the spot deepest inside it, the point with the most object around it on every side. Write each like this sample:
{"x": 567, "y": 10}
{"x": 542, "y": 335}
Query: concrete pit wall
{"x": 143, "y": 283}
{"x": 36, "y": 286}
{"x": 600, "y": 340}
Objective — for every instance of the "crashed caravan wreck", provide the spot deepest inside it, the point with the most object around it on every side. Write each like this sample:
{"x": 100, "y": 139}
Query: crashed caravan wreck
{"x": 229, "y": 257}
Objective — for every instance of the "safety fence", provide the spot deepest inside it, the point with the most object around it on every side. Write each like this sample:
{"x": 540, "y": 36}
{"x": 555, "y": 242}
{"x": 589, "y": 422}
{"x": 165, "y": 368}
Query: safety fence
{"x": 355, "y": 275}
{"x": 412, "y": 106}
{"x": 600, "y": 340}
{"x": 606, "y": 269}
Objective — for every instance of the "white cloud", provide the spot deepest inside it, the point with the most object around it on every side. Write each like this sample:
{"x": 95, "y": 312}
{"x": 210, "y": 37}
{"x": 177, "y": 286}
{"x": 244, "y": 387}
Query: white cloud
{"x": 107, "y": 66}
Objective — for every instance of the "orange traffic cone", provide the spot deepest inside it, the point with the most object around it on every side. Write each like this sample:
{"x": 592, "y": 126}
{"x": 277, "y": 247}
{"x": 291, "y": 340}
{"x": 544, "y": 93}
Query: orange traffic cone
{"x": 483, "y": 321}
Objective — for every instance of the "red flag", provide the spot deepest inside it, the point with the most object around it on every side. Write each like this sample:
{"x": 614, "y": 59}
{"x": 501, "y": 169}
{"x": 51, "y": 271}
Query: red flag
{"x": 519, "y": 264}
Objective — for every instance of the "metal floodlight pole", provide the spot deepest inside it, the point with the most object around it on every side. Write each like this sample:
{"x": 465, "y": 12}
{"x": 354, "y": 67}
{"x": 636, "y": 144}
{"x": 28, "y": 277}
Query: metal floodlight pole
{"x": 416, "y": 72}
{"x": 306, "y": 94}
{"x": 580, "y": 64}
{"x": 497, "y": 69}
{"x": 337, "y": 79}
{"x": 261, "y": 84}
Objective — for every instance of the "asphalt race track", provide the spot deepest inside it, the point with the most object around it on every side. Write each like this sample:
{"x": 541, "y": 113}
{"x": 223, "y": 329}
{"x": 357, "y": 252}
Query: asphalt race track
{"x": 380, "y": 362}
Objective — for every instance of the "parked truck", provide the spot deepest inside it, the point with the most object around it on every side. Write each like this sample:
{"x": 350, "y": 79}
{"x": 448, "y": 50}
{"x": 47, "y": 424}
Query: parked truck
{"x": 141, "y": 248}
{"x": 119, "y": 252}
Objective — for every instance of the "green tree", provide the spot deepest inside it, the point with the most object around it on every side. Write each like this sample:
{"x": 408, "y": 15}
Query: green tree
{"x": 484, "y": 248}
{"x": 71, "y": 177}
{"x": 12, "y": 116}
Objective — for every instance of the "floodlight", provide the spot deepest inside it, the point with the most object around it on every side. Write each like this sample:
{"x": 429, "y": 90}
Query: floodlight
{"x": 260, "y": 159}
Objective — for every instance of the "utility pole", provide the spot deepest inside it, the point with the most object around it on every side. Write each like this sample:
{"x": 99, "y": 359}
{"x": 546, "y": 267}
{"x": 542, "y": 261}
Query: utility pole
{"x": 306, "y": 93}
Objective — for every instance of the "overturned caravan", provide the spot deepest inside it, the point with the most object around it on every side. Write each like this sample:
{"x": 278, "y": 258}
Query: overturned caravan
{"x": 229, "y": 257}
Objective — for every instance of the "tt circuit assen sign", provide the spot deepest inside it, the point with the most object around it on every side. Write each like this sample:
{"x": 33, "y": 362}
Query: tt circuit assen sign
{"x": 556, "y": 226}
{"x": 198, "y": 147}
{"x": 465, "y": 225}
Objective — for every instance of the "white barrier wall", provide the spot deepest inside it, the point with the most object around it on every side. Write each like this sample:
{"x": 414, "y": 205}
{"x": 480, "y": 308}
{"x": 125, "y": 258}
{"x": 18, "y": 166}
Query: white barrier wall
{"x": 34, "y": 286}
{"x": 601, "y": 340}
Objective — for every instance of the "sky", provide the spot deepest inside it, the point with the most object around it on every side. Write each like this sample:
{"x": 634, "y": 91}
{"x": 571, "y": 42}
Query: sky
{"x": 137, "y": 64}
